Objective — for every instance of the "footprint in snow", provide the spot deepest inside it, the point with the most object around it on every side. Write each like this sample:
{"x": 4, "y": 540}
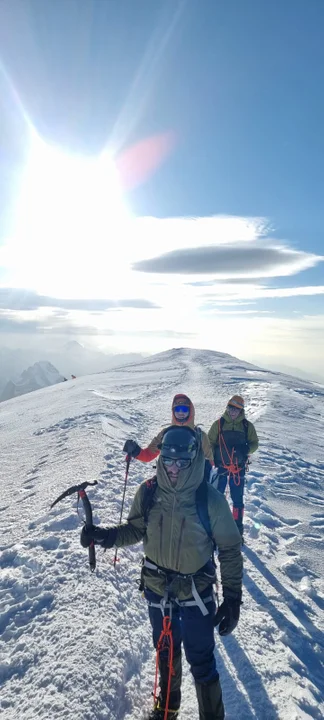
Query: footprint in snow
{"x": 268, "y": 520}
{"x": 71, "y": 522}
{"x": 313, "y": 537}
{"x": 293, "y": 570}
{"x": 319, "y": 524}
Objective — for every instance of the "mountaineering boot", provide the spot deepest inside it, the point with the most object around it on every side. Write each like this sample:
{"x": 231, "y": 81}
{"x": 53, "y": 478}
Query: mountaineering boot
{"x": 210, "y": 701}
{"x": 158, "y": 714}
{"x": 158, "y": 711}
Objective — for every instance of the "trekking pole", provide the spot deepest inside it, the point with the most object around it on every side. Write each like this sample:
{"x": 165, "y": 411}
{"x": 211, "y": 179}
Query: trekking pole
{"x": 128, "y": 461}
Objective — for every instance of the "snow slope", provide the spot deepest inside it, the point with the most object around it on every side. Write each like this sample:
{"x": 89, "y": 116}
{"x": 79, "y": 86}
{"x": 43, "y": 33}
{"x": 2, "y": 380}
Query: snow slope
{"x": 77, "y": 645}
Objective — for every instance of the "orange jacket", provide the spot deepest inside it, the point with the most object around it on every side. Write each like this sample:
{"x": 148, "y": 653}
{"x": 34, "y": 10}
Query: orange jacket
{"x": 152, "y": 450}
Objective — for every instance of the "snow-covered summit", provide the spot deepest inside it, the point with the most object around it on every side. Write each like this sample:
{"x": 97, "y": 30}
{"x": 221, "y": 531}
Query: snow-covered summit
{"x": 76, "y": 645}
{"x": 40, "y": 375}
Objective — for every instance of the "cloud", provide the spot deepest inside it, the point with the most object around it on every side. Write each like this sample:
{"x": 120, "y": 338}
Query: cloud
{"x": 215, "y": 311}
{"x": 9, "y": 323}
{"x": 53, "y": 325}
{"x": 160, "y": 333}
{"x": 249, "y": 260}
{"x": 257, "y": 293}
{"x": 20, "y": 299}
{"x": 180, "y": 233}
{"x": 228, "y": 281}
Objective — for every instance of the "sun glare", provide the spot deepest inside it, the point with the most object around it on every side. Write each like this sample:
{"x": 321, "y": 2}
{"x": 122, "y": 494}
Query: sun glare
{"x": 70, "y": 212}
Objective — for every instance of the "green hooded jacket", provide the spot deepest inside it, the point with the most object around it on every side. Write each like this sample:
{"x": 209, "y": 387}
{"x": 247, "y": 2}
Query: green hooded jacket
{"x": 234, "y": 425}
{"x": 174, "y": 538}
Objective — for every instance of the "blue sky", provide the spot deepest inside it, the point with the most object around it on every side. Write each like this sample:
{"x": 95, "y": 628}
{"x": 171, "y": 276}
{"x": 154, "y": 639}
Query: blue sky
{"x": 239, "y": 87}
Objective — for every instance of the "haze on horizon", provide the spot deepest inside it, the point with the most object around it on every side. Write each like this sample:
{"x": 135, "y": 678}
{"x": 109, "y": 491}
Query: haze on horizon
{"x": 155, "y": 191}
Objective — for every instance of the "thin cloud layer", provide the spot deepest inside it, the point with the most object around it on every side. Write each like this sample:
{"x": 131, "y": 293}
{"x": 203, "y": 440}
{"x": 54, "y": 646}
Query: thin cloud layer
{"x": 20, "y": 299}
{"x": 260, "y": 293}
{"x": 11, "y": 324}
{"x": 217, "y": 281}
{"x": 232, "y": 260}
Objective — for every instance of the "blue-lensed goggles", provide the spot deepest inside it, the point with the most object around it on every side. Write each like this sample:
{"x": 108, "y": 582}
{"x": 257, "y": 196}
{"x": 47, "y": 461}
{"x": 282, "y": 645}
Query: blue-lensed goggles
{"x": 181, "y": 408}
{"x": 181, "y": 463}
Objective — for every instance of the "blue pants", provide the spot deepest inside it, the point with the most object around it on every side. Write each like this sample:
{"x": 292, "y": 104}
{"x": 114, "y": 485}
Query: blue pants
{"x": 236, "y": 486}
{"x": 196, "y": 631}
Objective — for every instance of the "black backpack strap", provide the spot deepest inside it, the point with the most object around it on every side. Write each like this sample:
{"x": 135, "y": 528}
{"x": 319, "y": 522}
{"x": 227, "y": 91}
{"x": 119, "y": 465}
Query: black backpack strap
{"x": 246, "y": 429}
{"x": 148, "y": 497}
{"x": 202, "y": 507}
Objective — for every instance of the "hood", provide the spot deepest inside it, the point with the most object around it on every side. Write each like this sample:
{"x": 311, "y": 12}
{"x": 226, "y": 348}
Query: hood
{"x": 188, "y": 479}
{"x": 237, "y": 420}
{"x": 182, "y": 399}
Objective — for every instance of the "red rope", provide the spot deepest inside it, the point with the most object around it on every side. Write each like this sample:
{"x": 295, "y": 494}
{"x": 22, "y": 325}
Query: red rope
{"x": 232, "y": 468}
{"x": 165, "y": 641}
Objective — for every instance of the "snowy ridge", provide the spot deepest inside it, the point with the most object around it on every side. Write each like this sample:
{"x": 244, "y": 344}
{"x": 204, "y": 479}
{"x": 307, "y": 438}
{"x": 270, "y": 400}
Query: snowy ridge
{"x": 76, "y": 645}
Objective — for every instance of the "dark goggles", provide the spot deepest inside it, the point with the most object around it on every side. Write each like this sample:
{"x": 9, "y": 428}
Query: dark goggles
{"x": 181, "y": 408}
{"x": 233, "y": 407}
{"x": 181, "y": 463}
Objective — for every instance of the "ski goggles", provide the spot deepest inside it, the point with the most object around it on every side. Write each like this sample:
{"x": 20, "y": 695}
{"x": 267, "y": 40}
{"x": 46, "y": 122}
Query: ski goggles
{"x": 182, "y": 409}
{"x": 233, "y": 407}
{"x": 181, "y": 463}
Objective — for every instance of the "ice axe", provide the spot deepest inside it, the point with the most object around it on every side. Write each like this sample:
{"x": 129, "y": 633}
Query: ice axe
{"x": 82, "y": 495}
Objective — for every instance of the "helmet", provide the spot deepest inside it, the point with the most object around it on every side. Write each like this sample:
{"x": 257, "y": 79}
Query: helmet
{"x": 179, "y": 442}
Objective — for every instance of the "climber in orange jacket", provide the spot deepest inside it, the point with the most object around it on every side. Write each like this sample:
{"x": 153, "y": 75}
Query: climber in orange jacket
{"x": 183, "y": 413}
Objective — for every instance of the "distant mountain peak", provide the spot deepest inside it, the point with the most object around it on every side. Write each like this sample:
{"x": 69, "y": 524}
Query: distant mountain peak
{"x": 41, "y": 374}
{"x": 73, "y": 345}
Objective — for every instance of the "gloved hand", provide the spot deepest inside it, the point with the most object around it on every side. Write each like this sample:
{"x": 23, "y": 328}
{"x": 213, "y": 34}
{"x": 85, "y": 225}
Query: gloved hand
{"x": 132, "y": 448}
{"x": 228, "y": 614}
{"x": 213, "y": 476}
{"x": 105, "y": 537}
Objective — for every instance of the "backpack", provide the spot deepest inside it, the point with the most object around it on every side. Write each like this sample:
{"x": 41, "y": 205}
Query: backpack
{"x": 201, "y": 504}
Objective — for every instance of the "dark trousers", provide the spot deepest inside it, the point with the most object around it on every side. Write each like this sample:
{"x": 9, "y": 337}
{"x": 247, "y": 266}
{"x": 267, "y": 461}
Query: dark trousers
{"x": 196, "y": 632}
{"x": 236, "y": 486}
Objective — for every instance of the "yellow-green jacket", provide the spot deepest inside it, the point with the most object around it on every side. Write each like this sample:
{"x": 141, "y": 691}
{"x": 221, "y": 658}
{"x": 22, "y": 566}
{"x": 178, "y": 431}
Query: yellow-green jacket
{"x": 234, "y": 435}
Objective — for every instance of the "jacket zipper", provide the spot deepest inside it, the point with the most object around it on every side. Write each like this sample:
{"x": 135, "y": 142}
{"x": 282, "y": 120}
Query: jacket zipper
{"x": 171, "y": 531}
{"x": 180, "y": 541}
{"x": 161, "y": 529}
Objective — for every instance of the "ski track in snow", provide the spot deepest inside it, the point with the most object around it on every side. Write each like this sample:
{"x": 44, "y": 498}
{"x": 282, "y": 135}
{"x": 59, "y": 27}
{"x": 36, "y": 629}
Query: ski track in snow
{"x": 78, "y": 645}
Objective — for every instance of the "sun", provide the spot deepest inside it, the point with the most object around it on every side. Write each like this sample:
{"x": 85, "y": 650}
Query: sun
{"x": 71, "y": 221}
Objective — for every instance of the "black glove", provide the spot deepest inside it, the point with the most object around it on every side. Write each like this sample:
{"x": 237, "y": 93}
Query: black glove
{"x": 228, "y": 614}
{"x": 131, "y": 448}
{"x": 105, "y": 537}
